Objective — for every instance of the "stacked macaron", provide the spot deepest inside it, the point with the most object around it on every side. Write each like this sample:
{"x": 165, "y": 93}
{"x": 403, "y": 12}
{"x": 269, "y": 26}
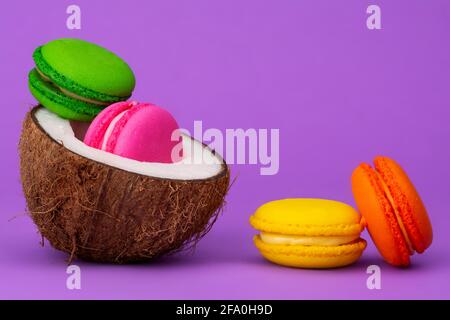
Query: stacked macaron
{"x": 77, "y": 79}
{"x": 80, "y": 81}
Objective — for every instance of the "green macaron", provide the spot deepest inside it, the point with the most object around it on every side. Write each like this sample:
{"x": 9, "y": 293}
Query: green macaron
{"x": 77, "y": 79}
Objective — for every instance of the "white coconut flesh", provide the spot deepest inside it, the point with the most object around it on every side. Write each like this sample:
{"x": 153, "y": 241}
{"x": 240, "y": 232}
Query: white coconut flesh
{"x": 198, "y": 162}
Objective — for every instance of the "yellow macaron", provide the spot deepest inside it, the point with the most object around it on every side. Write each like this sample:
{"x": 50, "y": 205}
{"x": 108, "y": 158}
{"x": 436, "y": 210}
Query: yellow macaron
{"x": 308, "y": 233}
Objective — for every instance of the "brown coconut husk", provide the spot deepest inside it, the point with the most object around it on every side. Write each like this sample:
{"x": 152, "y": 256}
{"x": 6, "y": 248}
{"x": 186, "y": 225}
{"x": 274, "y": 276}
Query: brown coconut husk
{"x": 101, "y": 213}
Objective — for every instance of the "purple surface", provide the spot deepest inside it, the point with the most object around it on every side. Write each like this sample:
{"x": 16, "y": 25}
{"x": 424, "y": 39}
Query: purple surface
{"x": 339, "y": 93}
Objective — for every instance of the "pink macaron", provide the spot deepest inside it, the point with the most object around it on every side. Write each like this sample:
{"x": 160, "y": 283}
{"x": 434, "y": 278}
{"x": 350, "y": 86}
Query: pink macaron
{"x": 139, "y": 131}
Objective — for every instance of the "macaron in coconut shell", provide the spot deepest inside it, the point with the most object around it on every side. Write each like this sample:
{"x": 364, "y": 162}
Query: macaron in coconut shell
{"x": 98, "y": 206}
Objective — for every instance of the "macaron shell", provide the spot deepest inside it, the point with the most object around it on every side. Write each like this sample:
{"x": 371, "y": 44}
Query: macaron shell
{"x": 409, "y": 204}
{"x": 380, "y": 217}
{"x": 316, "y": 257}
{"x": 131, "y": 137}
{"x": 308, "y": 217}
{"x": 97, "y": 129}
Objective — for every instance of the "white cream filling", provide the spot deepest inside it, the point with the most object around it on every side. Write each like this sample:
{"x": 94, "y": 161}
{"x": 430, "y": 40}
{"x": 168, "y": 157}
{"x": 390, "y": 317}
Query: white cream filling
{"x": 198, "y": 161}
{"x": 327, "y": 241}
{"x": 110, "y": 128}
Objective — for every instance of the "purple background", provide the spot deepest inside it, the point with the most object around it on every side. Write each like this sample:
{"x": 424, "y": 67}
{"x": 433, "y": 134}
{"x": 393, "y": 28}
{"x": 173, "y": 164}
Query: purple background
{"x": 339, "y": 93}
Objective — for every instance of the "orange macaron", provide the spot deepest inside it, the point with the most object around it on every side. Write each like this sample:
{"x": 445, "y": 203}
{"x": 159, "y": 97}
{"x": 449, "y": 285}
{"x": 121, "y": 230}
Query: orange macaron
{"x": 395, "y": 215}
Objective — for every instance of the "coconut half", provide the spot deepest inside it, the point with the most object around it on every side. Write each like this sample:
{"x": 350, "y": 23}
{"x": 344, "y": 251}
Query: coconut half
{"x": 102, "y": 207}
